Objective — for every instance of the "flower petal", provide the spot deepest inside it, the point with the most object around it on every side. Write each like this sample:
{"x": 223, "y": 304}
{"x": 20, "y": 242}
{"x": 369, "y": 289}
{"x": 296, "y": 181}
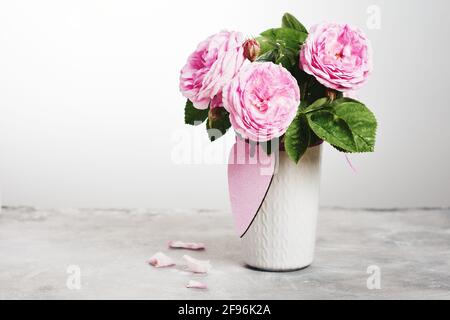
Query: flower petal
{"x": 187, "y": 245}
{"x": 197, "y": 266}
{"x": 160, "y": 260}
{"x": 196, "y": 285}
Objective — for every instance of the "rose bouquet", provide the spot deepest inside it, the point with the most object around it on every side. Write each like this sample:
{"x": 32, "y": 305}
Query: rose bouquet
{"x": 284, "y": 93}
{"x": 287, "y": 84}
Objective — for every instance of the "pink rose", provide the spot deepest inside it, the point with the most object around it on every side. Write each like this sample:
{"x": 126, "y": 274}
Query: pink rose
{"x": 262, "y": 101}
{"x": 210, "y": 67}
{"x": 337, "y": 55}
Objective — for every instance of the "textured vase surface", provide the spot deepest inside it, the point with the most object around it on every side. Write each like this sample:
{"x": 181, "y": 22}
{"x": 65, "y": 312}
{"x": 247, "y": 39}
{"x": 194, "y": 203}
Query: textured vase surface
{"x": 283, "y": 234}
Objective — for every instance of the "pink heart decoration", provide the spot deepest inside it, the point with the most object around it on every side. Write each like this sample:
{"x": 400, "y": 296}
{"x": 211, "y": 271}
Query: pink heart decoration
{"x": 250, "y": 172}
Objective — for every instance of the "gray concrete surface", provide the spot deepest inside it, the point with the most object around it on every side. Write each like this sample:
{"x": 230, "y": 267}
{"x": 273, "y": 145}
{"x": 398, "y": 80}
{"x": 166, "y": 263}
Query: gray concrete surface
{"x": 411, "y": 248}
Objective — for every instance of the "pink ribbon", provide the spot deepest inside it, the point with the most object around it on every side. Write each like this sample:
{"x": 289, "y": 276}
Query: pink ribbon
{"x": 250, "y": 172}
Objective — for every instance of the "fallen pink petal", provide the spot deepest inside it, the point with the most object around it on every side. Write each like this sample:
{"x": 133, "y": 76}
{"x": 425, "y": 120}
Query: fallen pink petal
{"x": 187, "y": 245}
{"x": 160, "y": 260}
{"x": 196, "y": 285}
{"x": 197, "y": 266}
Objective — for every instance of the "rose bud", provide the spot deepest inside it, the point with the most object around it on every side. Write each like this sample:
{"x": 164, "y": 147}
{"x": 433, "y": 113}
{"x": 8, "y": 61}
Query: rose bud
{"x": 331, "y": 94}
{"x": 251, "y": 49}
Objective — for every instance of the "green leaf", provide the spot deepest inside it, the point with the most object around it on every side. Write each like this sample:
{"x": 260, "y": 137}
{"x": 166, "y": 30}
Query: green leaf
{"x": 282, "y": 46}
{"x": 346, "y": 124}
{"x": 340, "y": 149}
{"x": 319, "y": 103}
{"x": 218, "y": 123}
{"x": 287, "y": 58}
{"x": 361, "y": 121}
{"x": 297, "y": 137}
{"x": 327, "y": 126}
{"x": 289, "y": 21}
{"x": 291, "y": 38}
{"x": 194, "y": 116}
{"x": 265, "y": 44}
{"x": 270, "y": 55}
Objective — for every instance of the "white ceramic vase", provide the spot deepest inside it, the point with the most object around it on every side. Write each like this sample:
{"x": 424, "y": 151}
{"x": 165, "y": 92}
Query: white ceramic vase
{"x": 282, "y": 236}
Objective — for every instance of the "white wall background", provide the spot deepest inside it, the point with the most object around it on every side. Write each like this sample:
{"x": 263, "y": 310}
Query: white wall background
{"x": 89, "y": 102}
